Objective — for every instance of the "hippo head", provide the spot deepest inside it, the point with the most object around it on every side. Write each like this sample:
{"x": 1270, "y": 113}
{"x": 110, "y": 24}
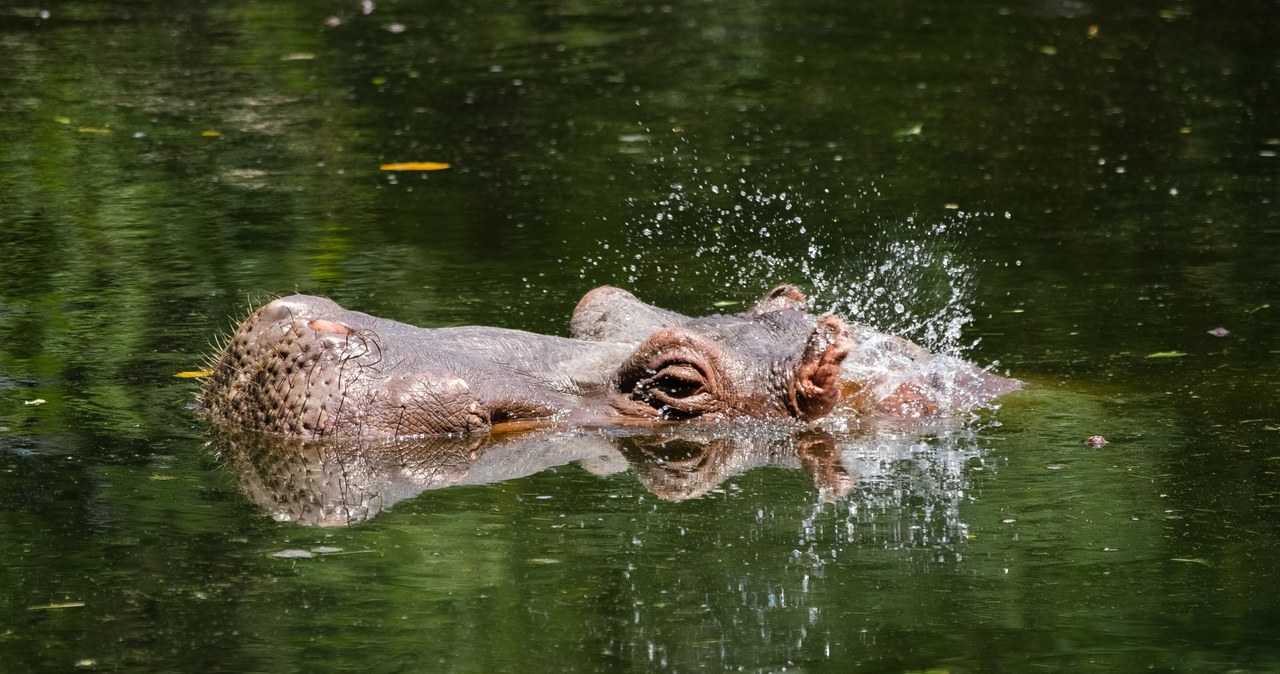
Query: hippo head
{"x": 303, "y": 366}
{"x": 778, "y": 363}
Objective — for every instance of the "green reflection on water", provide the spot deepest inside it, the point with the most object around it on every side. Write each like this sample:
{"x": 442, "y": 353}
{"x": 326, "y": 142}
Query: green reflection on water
{"x": 1106, "y": 173}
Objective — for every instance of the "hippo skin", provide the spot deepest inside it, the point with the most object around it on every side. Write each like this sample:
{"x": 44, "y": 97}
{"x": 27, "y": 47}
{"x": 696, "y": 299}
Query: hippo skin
{"x": 304, "y": 367}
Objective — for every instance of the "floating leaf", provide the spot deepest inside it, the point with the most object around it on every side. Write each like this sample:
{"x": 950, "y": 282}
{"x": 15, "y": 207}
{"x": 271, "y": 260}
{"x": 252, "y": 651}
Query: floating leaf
{"x": 1049, "y": 50}
{"x": 210, "y": 133}
{"x": 415, "y": 166}
{"x": 94, "y": 129}
{"x": 293, "y": 554}
{"x": 1191, "y": 560}
{"x": 299, "y": 56}
{"x": 62, "y": 120}
{"x": 193, "y": 374}
{"x": 54, "y": 607}
{"x": 725, "y": 303}
{"x": 1166, "y": 354}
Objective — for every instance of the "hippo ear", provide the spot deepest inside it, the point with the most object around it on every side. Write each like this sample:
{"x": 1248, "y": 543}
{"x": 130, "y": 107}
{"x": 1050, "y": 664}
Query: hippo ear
{"x": 781, "y": 297}
{"x": 816, "y": 388}
{"x": 609, "y": 314}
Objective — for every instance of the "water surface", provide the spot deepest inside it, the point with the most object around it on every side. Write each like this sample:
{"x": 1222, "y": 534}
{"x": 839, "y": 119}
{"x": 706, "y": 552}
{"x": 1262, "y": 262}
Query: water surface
{"x": 1077, "y": 192}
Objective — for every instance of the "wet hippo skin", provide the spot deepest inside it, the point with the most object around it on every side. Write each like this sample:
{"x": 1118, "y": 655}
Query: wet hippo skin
{"x": 304, "y": 367}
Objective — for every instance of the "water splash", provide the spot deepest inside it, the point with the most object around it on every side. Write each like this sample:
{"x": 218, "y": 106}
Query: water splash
{"x": 733, "y": 239}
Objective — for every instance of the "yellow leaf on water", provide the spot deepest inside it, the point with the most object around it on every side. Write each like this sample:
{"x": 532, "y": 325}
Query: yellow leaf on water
{"x": 1166, "y": 354}
{"x": 54, "y": 607}
{"x": 415, "y": 166}
{"x": 193, "y": 374}
{"x": 210, "y": 133}
{"x": 93, "y": 129}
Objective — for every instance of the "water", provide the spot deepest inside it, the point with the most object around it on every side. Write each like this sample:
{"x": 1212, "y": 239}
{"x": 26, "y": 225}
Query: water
{"x": 1082, "y": 193}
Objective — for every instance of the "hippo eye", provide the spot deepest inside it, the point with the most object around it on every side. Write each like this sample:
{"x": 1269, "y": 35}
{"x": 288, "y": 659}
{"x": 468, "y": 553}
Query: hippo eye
{"x": 678, "y": 381}
{"x": 678, "y": 389}
{"x": 676, "y": 374}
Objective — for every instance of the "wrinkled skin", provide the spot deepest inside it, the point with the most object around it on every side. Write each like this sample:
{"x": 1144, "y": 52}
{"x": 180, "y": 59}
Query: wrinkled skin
{"x": 883, "y": 376}
{"x": 304, "y": 367}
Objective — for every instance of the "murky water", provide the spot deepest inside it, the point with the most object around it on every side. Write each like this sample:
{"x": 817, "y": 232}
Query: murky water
{"x": 1083, "y": 193}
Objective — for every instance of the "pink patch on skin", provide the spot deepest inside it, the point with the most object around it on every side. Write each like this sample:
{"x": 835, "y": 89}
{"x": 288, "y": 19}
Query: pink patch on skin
{"x": 322, "y": 325}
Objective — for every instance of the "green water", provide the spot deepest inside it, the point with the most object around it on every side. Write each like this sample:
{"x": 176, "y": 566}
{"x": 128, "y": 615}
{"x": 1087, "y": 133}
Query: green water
{"x": 1078, "y": 191}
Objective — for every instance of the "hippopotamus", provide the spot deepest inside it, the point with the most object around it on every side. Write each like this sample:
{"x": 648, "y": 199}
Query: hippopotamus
{"x": 304, "y": 367}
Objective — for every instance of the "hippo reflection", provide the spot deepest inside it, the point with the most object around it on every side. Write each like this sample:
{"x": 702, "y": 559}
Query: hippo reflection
{"x": 304, "y": 367}
{"x": 347, "y": 482}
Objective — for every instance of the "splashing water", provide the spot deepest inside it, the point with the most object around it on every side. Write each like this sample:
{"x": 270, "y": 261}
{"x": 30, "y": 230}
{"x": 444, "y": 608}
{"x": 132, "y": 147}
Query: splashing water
{"x": 917, "y": 286}
{"x": 733, "y": 239}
